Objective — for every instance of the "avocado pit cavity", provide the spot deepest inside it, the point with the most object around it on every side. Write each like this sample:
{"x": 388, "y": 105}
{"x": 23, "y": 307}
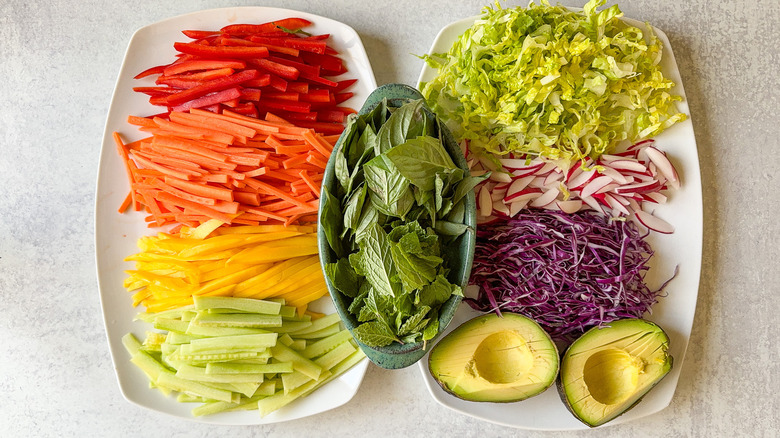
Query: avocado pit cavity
{"x": 503, "y": 357}
{"x": 612, "y": 375}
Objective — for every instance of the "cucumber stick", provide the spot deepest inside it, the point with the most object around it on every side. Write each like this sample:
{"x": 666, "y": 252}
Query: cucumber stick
{"x": 228, "y": 354}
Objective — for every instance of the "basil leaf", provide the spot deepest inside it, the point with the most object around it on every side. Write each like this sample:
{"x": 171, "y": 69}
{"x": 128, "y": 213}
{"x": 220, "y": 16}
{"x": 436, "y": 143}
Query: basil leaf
{"x": 353, "y": 209}
{"x": 404, "y": 123}
{"x": 420, "y": 159}
{"x": 330, "y": 220}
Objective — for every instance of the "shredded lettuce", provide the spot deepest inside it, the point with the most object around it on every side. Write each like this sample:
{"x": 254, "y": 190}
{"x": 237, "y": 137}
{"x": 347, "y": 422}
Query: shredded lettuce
{"x": 546, "y": 81}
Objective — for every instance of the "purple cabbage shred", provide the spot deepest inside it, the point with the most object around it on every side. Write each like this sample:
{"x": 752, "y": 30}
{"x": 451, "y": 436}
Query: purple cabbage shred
{"x": 568, "y": 272}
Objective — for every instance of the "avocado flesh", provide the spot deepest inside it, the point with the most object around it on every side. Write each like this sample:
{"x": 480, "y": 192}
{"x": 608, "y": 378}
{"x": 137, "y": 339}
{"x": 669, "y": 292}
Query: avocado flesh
{"x": 494, "y": 358}
{"x": 608, "y": 370}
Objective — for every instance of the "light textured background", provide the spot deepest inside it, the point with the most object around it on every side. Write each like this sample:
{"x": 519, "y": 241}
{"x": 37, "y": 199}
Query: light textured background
{"x": 58, "y": 64}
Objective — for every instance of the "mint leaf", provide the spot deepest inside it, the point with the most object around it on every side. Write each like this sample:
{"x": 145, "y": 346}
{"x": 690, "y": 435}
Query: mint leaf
{"x": 374, "y": 334}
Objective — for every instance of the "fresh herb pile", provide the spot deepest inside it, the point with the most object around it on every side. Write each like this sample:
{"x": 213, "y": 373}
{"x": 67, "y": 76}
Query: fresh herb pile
{"x": 399, "y": 202}
{"x": 551, "y": 82}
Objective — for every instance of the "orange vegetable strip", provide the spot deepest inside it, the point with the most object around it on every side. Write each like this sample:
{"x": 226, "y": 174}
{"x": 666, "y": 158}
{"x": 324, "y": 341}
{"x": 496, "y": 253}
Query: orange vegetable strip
{"x": 150, "y": 202}
{"x": 247, "y": 198}
{"x": 260, "y": 171}
{"x": 239, "y": 220}
{"x": 188, "y": 145}
{"x": 271, "y": 117}
{"x": 269, "y": 189}
{"x": 126, "y": 203}
{"x": 332, "y": 139}
{"x": 126, "y": 162}
{"x": 208, "y": 134}
{"x": 201, "y": 189}
{"x": 182, "y": 165}
{"x": 294, "y": 161}
{"x": 194, "y": 206}
{"x": 198, "y": 118}
{"x": 318, "y": 142}
{"x": 165, "y": 170}
{"x": 215, "y": 178}
{"x": 264, "y": 213}
{"x": 182, "y": 194}
{"x": 282, "y": 176}
{"x": 226, "y": 207}
{"x": 230, "y": 173}
{"x": 205, "y": 162}
{"x": 316, "y": 161}
{"x": 141, "y": 121}
{"x": 261, "y": 126}
{"x": 245, "y": 160}
{"x": 310, "y": 182}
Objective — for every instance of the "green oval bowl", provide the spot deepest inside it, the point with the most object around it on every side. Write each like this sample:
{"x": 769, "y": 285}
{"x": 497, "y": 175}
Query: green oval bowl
{"x": 459, "y": 254}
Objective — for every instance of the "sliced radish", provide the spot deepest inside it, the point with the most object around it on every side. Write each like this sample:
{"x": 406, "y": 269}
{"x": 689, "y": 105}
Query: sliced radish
{"x": 525, "y": 195}
{"x": 519, "y": 164}
{"x": 500, "y": 207}
{"x": 500, "y": 176}
{"x": 615, "y": 175}
{"x": 553, "y": 178}
{"x": 656, "y": 197}
{"x": 570, "y": 206}
{"x": 593, "y": 203}
{"x": 628, "y": 164}
{"x": 654, "y": 223}
{"x": 547, "y": 198}
{"x": 519, "y": 184}
{"x": 664, "y": 165}
{"x": 581, "y": 179}
{"x": 615, "y": 205}
{"x": 485, "y": 203}
{"x": 548, "y": 167}
{"x": 515, "y": 207}
{"x": 497, "y": 194}
{"x": 595, "y": 185}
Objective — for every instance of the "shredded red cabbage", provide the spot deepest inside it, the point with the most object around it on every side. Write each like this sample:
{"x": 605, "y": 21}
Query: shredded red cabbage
{"x": 569, "y": 272}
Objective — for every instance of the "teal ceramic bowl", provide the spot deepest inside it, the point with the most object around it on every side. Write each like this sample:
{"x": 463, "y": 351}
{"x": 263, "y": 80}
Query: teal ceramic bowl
{"x": 460, "y": 253}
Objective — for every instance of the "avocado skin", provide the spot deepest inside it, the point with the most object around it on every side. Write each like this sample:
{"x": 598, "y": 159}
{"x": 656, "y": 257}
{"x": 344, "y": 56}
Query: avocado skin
{"x": 562, "y": 391}
{"x": 485, "y": 325}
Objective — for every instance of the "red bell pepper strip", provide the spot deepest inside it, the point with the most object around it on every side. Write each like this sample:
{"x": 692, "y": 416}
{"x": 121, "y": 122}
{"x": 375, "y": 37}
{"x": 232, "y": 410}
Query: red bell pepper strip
{"x": 221, "y": 51}
{"x": 211, "y": 86}
{"x": 334, "y": 116}
{"x": 262, "y": 80}
{"x": 276, "y": 68}
{"x": 314, "y": 46}
{"x": 210, "y": 99}
{"x": 156, "y": 70}
{"x": 202, "y": 64}
{"x": 321, "y": 95}
{"x": 285, "y": 105}
{"x": 198, "y": 76}
{"x": 298, "y": 63}
{"x": 331, "y": 64}
{"x": 278, "y": 83}
{"x": 298, "y": 87}
{"x": 248, "y": 29}
{"x": 199, "y": 34}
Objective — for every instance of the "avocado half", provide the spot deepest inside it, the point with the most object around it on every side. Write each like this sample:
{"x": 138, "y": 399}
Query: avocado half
{"x": 494, "y": 358}
{"x": 607, "y": 370}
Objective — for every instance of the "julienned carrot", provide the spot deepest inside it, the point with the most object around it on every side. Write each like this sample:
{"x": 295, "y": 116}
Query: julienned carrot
{"x": 268, "y": 172}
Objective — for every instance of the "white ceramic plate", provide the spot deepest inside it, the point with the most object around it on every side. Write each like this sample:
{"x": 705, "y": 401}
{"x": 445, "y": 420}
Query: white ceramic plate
{"x": 116, "y": 235}
{"x": 674, "y": 313}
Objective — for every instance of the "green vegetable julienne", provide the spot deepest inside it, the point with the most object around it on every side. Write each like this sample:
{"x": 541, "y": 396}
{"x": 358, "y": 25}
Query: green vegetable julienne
{"x": 547, "y": 81}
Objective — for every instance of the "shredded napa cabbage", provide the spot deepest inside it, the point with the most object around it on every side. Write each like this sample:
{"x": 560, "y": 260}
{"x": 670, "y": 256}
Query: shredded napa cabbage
{"x": 550, "y": 82}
